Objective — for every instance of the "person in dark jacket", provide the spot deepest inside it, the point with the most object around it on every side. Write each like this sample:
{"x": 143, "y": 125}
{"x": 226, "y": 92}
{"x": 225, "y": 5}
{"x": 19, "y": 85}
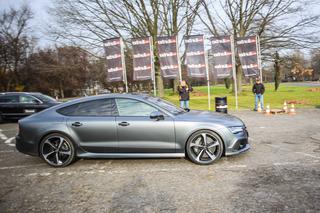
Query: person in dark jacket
{"x": 184, "y": 89}
{"x": 258, "y": 90}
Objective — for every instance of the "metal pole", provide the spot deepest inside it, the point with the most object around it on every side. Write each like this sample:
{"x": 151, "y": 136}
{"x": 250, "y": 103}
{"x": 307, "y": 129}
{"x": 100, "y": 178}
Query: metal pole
{"x": 152, "y": 67}
{"x": 234, "y": 70}
{"x": 123, "y": 65}
{"x": 259, "y": 56}
{"x": 207, "y": 72}
{"x": 179, "y": 63}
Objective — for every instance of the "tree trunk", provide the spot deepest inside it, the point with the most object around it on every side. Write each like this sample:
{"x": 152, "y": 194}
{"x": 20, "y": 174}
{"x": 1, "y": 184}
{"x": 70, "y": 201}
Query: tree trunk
{"x": 160, "y": 87}
{"x": 238, "y": 78}
{"x": 277, "y": 72}
{"x": 227, "y": 82}
{"x": 61, "y": 90}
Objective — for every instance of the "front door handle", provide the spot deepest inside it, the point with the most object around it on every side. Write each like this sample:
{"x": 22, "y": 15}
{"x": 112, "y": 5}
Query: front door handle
{"x": 123, "y": 123}
{"x": 76, "y": 124}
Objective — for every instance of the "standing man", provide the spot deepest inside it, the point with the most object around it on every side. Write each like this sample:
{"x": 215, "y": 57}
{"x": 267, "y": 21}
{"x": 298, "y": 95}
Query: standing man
{"x": 184, "y": 89}
{"x": 258, "y": 90}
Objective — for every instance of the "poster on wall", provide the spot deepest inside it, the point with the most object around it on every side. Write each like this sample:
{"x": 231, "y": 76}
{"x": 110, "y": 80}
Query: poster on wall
{"x": 222, "y": 56}
{"x": 142, "y": 59}
{"x": 114, "y": 59}
{"x": 195, "y": 56}
{"x": 168, "y": 56}
{"x": 249, "y": 55}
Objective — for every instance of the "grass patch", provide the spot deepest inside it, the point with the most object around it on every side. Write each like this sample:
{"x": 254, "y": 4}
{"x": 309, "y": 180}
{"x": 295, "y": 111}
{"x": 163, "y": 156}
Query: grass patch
{"x": 303, "y": 95}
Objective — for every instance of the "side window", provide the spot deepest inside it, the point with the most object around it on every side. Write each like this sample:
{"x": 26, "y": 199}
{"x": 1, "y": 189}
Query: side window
{"x": 26, "y": 99}
{"x": 102, "y": 107}
{"x": 9, "y": 99}
{"x": 129, "y": 107}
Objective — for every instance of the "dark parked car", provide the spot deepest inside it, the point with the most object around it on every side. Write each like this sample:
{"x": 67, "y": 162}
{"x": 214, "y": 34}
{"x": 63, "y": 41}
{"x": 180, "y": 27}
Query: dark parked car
{"x": 15, "y": 105}
{"x": 129, "y": 126}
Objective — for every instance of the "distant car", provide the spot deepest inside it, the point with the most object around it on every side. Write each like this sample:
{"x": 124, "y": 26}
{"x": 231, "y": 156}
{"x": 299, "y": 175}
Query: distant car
{"x": 15, "y": 105}
{"x": 129, "y": 126}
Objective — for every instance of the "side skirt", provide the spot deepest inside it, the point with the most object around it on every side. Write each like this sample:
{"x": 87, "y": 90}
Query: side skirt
{"x": 131, "y": 155}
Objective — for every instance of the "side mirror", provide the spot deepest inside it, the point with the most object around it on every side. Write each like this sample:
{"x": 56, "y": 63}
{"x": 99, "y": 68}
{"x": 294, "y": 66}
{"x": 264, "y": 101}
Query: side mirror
{"x": 157, "y": 115}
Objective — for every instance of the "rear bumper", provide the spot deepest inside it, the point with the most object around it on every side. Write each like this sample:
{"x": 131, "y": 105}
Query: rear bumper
{"x": 26, "y": 147}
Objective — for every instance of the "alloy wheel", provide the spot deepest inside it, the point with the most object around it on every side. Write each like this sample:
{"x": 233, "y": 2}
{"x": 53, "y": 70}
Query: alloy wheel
{"x": 204, "y": 147}
{"x": 57, "y": 150}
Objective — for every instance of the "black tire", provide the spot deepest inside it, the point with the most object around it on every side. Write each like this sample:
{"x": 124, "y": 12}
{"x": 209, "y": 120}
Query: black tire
{"x": 204, "y": 152}
{"x": 57, "y": 150}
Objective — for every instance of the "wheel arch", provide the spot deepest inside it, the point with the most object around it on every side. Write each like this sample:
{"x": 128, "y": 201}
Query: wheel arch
{"x": 55, "y": 132}
{"x": 206, "y": 129}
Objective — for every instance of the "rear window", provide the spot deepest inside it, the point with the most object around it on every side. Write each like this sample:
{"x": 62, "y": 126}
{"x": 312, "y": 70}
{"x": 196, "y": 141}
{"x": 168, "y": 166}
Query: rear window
{"x": 9, "y": 99}
{"x": 102, "y": 107}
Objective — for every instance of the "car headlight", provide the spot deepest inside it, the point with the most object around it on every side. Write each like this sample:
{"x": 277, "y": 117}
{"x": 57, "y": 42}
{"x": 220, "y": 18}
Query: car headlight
{"x": 236, "y": 129}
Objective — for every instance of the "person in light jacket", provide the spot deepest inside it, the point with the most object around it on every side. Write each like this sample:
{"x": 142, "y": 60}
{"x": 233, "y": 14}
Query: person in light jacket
{"x": 184, "y": 89}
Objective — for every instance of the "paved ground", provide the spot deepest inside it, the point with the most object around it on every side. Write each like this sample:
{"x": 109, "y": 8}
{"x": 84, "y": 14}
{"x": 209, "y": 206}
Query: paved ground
{"x": 281, "y": 173}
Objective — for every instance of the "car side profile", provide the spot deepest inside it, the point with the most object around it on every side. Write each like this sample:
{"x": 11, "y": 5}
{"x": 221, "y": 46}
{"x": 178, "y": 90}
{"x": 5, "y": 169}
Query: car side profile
{"x": 15, "y": 105}
{"x": 129, "y": 126}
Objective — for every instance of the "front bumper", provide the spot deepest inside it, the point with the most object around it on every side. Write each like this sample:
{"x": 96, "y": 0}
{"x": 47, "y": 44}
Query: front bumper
{"x": 243, "y": 149}
{"x": 26, "y": 147}
{"x": 239, "y": 144}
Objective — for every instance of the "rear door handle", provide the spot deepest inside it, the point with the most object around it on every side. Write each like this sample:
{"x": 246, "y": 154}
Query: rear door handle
{"x": 123, "y": 123}
{"x": 76, "y": 124}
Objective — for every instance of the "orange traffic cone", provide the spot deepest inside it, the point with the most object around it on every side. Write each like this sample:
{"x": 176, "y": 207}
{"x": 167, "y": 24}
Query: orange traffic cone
{"x": 285, "y": 107}
{"x": 292, "y": 110}
{"x": 268, "y": 111}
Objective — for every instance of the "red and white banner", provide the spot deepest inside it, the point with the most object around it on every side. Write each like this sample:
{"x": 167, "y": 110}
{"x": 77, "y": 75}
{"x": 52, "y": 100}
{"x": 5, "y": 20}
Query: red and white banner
{"x": 115, "y": 59}
{"x": 249, "y": 55}
{"x": 142, "y": 59}
{"x": 168, "y": 56}
{"x": 222, "y": 56}
{"x": 195, "y": 56}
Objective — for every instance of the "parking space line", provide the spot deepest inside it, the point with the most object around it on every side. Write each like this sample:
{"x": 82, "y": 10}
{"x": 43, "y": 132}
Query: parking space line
{"x": 9, "y": 142}
{"x": 20, "y": 167}
{"x": 7, "y": 151}
{"x": 3, "y": 136}
{"x": 308, "y": 155}
{"x": 288, "y": 150}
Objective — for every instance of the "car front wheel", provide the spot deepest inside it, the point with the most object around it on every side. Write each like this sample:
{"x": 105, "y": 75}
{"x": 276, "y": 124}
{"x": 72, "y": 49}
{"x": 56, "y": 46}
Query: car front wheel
{"x": 204, "y": 147}
{"x": 57, "y": 150}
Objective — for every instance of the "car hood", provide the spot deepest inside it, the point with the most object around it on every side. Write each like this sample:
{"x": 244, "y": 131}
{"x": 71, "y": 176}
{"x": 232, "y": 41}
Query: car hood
{"x": 207, "y": 116}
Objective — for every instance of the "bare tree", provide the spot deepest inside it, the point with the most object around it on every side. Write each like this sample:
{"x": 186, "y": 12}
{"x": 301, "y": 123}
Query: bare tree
{"x": 89, "y": 22}
{"x": 15, "y": 42}
{"x": 280, "y": 24}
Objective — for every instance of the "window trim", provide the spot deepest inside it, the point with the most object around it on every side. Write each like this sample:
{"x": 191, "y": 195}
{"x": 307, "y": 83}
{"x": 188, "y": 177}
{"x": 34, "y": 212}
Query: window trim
{"x": 94, "y": 116}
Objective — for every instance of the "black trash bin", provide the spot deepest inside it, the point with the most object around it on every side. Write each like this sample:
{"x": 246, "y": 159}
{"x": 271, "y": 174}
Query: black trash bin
{"x": 221, "y": 104}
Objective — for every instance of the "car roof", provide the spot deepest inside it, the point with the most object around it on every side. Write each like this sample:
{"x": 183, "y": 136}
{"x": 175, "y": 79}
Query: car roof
{"x": 112, "y": 95}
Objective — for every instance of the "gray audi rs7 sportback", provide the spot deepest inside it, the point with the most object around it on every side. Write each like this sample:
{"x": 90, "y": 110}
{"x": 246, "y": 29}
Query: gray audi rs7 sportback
{"x": 129, "y": 126}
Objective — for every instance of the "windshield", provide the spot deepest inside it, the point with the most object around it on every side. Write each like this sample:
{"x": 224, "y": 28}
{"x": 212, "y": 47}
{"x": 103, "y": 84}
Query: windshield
{"x": 166, "y": 105}
{"x": 44, "y": 98}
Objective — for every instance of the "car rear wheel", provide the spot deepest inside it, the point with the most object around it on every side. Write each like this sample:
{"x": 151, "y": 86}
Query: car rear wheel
{"x": 204, "y": 147}
{"x": 57, "y": 150}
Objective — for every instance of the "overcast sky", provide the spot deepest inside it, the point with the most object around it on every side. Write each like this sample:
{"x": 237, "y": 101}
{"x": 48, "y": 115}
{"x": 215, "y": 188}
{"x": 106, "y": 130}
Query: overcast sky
{"x": 41, "y": 17}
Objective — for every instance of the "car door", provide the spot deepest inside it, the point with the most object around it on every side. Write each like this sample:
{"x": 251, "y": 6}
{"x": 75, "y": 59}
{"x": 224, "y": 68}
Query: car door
{"x": 28, "y": 104}
{"x": 138, "y": 133}
{"x": 92, "y": 123}
{"x": 9, "y": 105}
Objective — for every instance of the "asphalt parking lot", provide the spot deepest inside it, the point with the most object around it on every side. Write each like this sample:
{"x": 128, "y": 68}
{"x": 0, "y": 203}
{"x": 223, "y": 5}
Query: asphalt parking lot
{"x": 281, "y": 173}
